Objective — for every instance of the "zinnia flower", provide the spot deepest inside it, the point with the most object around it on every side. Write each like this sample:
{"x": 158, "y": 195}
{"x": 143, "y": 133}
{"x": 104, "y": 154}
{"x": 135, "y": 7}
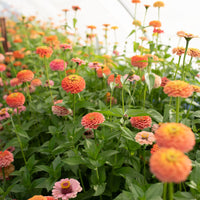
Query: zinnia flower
{"x": 193, "y": 52}
{"x": 6, "y": 157}
{"x": 103, "y": 70}
{"x": 136, "y": 1}
{"x": 66, "y": 189}
{"x": 49, "y": 83}
{"x": 70, "y": 71}
{"x": 2, "y": 67}
{"x": 178, "y": 51}
{"x": 94, "y": 65}
{"x": 155, "y": 23}
{"x": 139, "y": 61}
{"x": 178, "y": 88}
{"x": 108, "y": 99}
{"x": 78, "y": 61}
{"x": 175, "y": 135}
{"x": 75, "y": 8}
{"x": 38, "y": 197}
{"x": 157, "y": 82}
{"x": 2, "y": 57}
{"x": 57, "y": 65}
{"x": 116, "y": 79}
{"x": 170, "y": 165}
{"x": 7, "y": 171}
{"x": 196, "y": 88}
{"x": 19, "y": 109}
{"x": 164, "y": 80}
{"x": 44, "y": 51}
{"x": 60, "y": 110}
{"x": 65, "y": 46}
{"x": 141, "y": 122}
{"x": 4, "y": 114}
{"x": 15, "y": 100}
{"x": 73, "y": 84}
{"x": 158, "y": 4}
{"x": 155, "y": 127}
{"x": 137, "y": 22}
{"x": 154, "y": 148}
{"x": 145, "y": 137}
{"x": 25, "y": 75}
{"x": 186, "y": 35}
{"x": 92, "y": 120}
{"x": 36, "y": 82}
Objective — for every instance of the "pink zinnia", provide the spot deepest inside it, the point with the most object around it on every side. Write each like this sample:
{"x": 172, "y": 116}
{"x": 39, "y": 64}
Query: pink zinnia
{"x": 6, "y": 157}
{"x": 58, "y": 65}
{"x": 4, "y": 114}
{"x": 94, "y": 65}
{"x": 92, "y": 120}
{"x": 60, "y": 110}
{"x": 2, "y": 57}
{"x": 1, "y": 82}
{"x": 78, "y": 61}
{"x": 65, "y": 46}
{"x": 14, "y": 82}
{"x": 49, "y": 83}
{"x": 145, "y": 137}
{"x": 20, "y": 109}
{"x": 66, "y": 189}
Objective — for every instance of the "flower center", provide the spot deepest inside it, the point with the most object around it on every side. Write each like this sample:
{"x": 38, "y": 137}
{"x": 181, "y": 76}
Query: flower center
{"x": 145, "y": 136}
{"x": 171, "y": 157}
{"x": 173, "y": 130}
{"x": 65, "y": 187}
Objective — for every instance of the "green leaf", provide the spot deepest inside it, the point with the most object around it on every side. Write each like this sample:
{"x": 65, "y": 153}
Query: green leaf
{"x": 150, "y": 80}
{"x": 74, "y": 22}
{"x": 155, "y": 115}
{"x": 194, "y": 176}
{"x": 18, "y": 130}
{"x": 56, "y": 162}
{"x": 183, "y": 196}
{"x": 154, "y": 191}
{"x": 136, "y": 112}
{"x": 127, "y": 133}
{"x": 99, "y": 189}
{"x": 135, "y": 46}
{"x": 73, "y": 161}
{"x": 136, "y": 190}
{"x": 126, "y": 196}
{"x": 196, "y": 114}
{"x": 133, "y": 31}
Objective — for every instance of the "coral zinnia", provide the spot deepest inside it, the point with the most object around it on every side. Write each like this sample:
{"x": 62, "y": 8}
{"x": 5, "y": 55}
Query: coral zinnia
{"x": 66, "y": 189}
{"x": 139, "y": 61}
{"x": 116, "y": 79}
{"x": 158, "y": 4}
{"x": 175, "y": 135}
{"x": 155, "y": 23}
{"x": 193, "y": 52}
{"x": 196, "y": 88}
{"x": 7, "y": 171}
{"x": 165, "y": 80}
{"x": 92, "y": 120}
{"x": 103, "y": 70}
{"x": 137, "y": 22}
{"x": 178, "y": 51}
{"x": 25, "y": 75}
{"x": 157, "y": 82}
{"x": 141, "y": 122}
{"x": 73, "y": 84}
{"x": 2, "y": 67}
{"x": 154, "y": 148}
{"x": 38, "y": 197}
{"x": 44, "y": 51}
{"x": 136, "y": 1}
{"x": 145, "y": 137}
{"x": 60, "y": 110}
{"x": 6, "y": 157}
{"x": 170, "y": 165}
{"x": 178, "y": 88}
{"x": 36, "y": 82}
{"x": 15, "y": 100}
{"x": 58, "y": 65}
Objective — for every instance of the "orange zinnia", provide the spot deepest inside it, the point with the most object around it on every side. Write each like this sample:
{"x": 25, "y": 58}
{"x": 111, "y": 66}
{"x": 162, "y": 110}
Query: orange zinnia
{"x": 73, "y": 84}
{"x": 139, "y": 61}
{"x": 25, "y": 75}
{"x": 15, "y": 100}
{"x": 137, "y": 22}
{"x": 175, "y": 135}
{"x": 170, "y": 165}
{"x": 44, "y": 51}
{"x": 36, "y": 82}
{"x": 136, "y": 1}
{"x": 116, "y": 79}
{"x": 178, "y": 88}
{"x": 103, "y": 70}
{"x": 178, "y": 51}
{"x": 196, "y": 88}
{"x": 155, "y": 23}
{"x": 158, "y": 4}
{"x": 38, "y": 197}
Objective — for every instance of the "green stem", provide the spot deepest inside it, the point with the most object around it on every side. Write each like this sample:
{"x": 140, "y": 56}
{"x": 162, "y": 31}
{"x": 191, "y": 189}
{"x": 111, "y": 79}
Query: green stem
{"x": 177, "y": 67}
{"x": 123, "y": 99}
{"x": 177, "y": 109}
{"x": 171, "y": 191}
{"x": 165, "y": 191}
{"x": 188, "y": 112}
{"x": 183, "y": 68}
{"x": 4, "y": 179}
{"x": 145, "y": 92}
{"x": 74, "y": 98}
{"x": 28, "y": 92}
{"x": 144, "y": 157}
{"x": 158, "y": 13}
{"x": 81, "y": 179}
{"x": 19, "y": 140}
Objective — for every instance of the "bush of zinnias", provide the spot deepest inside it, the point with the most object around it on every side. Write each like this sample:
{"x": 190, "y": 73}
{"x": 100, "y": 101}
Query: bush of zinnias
{"x": 83, "y": 118}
